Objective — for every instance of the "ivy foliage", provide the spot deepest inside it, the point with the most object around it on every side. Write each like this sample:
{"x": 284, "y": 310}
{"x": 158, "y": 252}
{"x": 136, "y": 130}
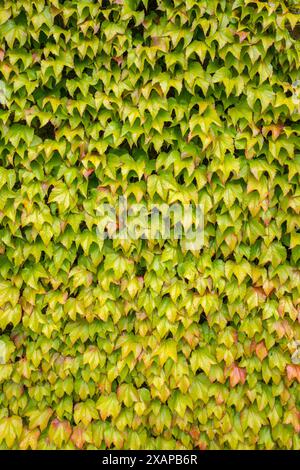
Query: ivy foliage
{"x": 142, "y": 344}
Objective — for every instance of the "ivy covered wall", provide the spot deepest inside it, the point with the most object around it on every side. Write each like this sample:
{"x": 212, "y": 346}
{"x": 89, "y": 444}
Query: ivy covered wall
{"x": 144, "y": 344}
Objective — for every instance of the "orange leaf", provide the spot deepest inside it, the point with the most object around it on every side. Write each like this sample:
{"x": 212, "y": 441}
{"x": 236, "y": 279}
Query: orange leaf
{"x": 237, "y": 375}
{"x": 261, "y": 351}
{"x": 78, "y": 437}
{"x": 293, "y": 372}
{"x": 242, "y": 35}
{"x": 195, "y": 433}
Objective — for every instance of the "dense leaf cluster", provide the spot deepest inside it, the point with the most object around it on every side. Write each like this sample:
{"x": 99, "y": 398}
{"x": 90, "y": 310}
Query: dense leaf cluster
{"x": 142, "y": 343}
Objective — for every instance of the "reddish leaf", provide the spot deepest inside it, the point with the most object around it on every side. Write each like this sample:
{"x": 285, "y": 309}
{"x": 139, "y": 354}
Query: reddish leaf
{"x": 261, "y": 351}
{"x": 237, "y": 375}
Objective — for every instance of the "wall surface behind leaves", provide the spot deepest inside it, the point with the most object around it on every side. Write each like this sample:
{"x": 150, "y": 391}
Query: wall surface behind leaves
{"x": 143, "y": 344}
